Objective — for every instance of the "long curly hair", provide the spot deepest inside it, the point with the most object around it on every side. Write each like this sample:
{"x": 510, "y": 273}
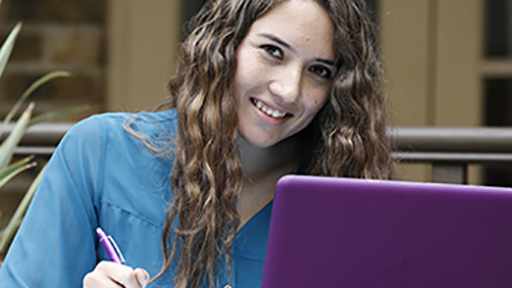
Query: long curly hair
{"x": 348, "y": 133}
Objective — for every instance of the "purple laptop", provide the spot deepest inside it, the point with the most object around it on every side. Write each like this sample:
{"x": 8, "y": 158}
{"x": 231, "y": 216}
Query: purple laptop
{"x": 340, "y": 232}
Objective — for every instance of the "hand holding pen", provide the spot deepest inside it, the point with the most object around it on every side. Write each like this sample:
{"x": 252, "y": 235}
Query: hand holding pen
{"x": 110, "y": 273}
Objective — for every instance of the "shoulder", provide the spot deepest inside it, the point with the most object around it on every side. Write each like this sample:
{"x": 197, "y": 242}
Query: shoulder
{"x": 114, "y": 148}
{"x": 123, "y": 128}
{"x": 115, "y": 123}
{"x": 103, "y": 143}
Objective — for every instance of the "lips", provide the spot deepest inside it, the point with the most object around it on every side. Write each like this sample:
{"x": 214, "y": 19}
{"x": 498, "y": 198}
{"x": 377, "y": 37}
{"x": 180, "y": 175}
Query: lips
{"x": 272, "y": 112}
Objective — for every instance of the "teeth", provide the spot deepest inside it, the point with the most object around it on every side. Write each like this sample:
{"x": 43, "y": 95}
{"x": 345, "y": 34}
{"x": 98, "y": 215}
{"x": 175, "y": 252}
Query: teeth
{"x": 269, "y": 111}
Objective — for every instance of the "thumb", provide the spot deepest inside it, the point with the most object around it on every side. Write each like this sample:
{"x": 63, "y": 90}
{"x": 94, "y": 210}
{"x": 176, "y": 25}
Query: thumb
{"x": 142, "y": 277}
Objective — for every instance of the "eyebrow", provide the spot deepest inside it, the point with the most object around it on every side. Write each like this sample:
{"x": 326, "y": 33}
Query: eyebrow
{"x": 289, "y": 47}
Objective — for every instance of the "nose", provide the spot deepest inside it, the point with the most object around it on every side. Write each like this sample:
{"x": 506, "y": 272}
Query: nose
{"x": 287, "y": 85}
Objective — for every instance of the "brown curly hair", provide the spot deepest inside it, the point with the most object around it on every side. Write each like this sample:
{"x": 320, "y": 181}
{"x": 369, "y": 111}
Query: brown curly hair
{"x": 347, "y": 138}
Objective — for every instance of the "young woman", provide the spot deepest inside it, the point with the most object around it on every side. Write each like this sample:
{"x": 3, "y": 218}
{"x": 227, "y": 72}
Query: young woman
{"x": 264, "y": 88}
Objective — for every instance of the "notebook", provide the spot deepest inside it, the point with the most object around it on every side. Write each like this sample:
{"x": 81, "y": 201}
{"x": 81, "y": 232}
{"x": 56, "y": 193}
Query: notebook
{"x": 340, "y": 232}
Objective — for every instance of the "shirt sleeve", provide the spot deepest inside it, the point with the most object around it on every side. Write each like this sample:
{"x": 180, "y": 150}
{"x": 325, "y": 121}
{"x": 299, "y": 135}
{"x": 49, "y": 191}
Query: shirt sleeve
{"x": 56, "y": 245}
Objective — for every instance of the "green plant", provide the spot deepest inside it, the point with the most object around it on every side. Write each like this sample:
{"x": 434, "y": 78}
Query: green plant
{"x": 9, "y": 170}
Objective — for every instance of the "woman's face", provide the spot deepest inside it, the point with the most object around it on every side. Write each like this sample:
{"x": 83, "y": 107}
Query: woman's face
{"x": 285, "y": 65}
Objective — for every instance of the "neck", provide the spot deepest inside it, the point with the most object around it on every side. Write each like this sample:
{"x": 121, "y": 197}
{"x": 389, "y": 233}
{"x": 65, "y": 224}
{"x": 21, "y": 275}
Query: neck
{"x": 260, "y": 162}
{"x": 262, "y": 167}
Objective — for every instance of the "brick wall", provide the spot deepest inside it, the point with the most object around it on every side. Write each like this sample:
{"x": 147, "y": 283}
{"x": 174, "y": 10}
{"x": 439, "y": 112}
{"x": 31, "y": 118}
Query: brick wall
{"x": 56, "y": 35}
{"x": 65, "y": 35}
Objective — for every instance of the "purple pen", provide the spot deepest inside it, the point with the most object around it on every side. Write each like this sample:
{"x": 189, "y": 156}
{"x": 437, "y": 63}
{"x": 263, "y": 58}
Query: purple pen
{"x": 110, "y": 246}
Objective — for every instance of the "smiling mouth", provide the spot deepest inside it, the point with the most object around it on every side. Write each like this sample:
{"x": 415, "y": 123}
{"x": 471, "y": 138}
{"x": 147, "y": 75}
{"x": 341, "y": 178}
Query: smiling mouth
{"x": 269, "y": 111}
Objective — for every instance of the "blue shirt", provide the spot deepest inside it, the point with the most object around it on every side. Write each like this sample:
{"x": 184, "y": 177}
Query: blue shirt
{"x": 100, "y": 175}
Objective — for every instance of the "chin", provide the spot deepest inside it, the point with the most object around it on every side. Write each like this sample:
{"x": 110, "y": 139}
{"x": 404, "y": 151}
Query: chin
{"x": 259, "y": 142}
{"x": 262, "y": 144}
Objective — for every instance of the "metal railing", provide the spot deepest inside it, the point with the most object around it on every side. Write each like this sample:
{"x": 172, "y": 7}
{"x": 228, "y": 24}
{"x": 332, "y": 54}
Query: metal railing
{"x": 451, "y": 150}
{"x": 448, "y": 150}
{"x": 40, "y": 139}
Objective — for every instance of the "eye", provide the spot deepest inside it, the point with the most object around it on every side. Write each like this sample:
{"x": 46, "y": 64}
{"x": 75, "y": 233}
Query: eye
{"x": 321, "y": 71}
{"x": 273, "y": 51}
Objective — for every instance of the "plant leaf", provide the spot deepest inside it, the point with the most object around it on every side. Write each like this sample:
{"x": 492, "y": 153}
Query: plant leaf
{"x": 9, "y": 144}
{"x": 57, "y": 114}
{"x": 14, "y": 169}
{"x": 36, "y": 84}
{"x": 15, "y": 221}
{"x": 15, "y": 165}
{"x": 5, "y": 51}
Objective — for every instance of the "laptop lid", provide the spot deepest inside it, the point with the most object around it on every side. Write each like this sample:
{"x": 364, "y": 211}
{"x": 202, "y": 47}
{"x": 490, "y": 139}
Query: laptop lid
{"x": 340, "y": 232}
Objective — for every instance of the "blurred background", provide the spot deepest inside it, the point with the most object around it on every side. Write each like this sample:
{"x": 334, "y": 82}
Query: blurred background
{"x": 448, "y": 62}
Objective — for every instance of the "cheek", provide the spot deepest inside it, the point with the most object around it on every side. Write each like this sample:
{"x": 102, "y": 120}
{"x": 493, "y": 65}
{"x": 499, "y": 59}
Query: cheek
{"x": 244, "y": 77}
{"x": 240, "y": 82}
{"x": 319, "y": 101}
{"x": 247, "y": 65}
{"x": 315, "y": 105}
{"x": 239, "y": 79}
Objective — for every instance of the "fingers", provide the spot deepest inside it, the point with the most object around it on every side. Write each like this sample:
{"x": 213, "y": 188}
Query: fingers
{"x": 109, "y": 274}
{"x": 142, "y": 277}
{"x": 99, "y": 277}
